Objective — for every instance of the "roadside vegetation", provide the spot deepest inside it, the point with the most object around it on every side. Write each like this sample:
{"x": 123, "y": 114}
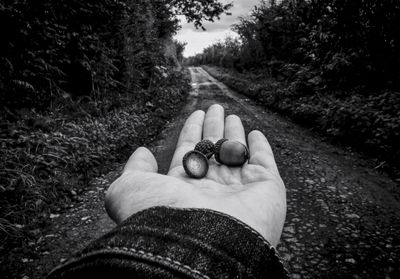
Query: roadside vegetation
{"x": 331, "y": 65}
{"x": 82, "y": 83}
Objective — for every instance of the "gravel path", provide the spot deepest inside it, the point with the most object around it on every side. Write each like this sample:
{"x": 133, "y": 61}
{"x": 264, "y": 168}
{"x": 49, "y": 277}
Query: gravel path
{"x": 343, "y": 216}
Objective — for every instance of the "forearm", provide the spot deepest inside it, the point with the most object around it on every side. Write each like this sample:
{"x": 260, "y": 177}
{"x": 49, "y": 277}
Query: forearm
{"x": 166, "y": 242}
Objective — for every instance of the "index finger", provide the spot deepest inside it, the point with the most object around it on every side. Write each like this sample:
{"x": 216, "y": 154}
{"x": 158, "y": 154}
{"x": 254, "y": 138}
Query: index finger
{"x": 260, "y": 151}
{"x": 188, "y": 138}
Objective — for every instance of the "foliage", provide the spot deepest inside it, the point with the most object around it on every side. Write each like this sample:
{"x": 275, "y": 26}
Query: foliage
{"x": 331, "y": 64}
{"x": 55, "y": 49}
{"x": 81, "y": 84}
{"x": 198, "y": 10}
{"x": 368, "y": 123}
{"x": 346, "y": 43}
{"x": 48, "y": 158}
{"x": 180, "y": 48}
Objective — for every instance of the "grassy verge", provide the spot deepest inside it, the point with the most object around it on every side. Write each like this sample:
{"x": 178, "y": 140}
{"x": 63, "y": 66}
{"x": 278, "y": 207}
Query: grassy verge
{"x": 47, "y": 159}
{"x": 368, "y": 123}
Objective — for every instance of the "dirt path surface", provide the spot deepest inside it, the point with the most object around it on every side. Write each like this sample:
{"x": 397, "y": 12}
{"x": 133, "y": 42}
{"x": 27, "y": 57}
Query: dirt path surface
{"x": 343, "y": 217}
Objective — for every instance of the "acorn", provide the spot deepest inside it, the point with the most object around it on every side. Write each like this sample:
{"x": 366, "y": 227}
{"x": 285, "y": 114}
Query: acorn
{"x": 231, "y": 153}
{"x": 195, "y": 164}
{"x": 206, "y": 147}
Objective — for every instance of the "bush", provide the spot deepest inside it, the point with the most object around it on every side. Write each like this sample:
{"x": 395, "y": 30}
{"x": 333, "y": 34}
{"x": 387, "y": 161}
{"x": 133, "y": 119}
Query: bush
{"x": 96, "y": 48}
{"x": 68, "y": 71}
{"x": 47, "y": 158}
{"x": 368, "y": 123}
{"x": 352, "y": 43}
{"x": 329, "y": 64}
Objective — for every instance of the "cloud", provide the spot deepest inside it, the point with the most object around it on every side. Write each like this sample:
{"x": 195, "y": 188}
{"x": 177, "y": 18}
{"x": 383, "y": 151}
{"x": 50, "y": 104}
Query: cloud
{"x": 197, "y": 40}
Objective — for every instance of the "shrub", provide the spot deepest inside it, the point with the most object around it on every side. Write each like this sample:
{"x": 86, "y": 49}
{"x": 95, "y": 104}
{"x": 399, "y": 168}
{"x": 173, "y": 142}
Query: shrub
{"x": 52, "y": 49}
{"x": 48, "y": 157}
{"x": 368, "y": 123}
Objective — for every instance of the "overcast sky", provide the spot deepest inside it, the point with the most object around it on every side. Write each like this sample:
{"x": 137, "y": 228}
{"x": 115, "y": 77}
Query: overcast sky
{"x": 197, "y": 40}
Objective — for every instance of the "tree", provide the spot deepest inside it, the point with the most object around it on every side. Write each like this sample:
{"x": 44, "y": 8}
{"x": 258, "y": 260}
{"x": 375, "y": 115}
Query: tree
{"x": 197, "y": 11}
{"x": 90, "y": 48}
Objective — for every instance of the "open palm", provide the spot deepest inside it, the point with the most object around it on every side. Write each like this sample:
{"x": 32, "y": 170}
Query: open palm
{"x": 253, "y": 193}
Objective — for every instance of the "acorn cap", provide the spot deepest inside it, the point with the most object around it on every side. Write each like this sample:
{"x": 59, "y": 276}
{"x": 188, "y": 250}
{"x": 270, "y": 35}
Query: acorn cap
{"x": 218, "y": 145}
{"x": 195, "y": 164}
{"x": 206, "y": 147}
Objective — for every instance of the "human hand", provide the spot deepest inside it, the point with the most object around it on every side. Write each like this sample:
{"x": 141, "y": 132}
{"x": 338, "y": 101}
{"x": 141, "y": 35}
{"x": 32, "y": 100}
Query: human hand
{"x": 253, "y": 193}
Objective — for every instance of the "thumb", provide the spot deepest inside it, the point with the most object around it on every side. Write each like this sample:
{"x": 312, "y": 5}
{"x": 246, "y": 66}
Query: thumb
{"x": 141, "y": 160}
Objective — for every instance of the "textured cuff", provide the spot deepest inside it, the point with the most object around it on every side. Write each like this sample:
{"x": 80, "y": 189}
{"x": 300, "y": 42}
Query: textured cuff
{"x": 170, "y": 242}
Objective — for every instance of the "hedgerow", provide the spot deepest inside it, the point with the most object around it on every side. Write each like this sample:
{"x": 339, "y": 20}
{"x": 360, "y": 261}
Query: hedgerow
{"x": 82, "y": 83}
{"x": 55, "y": 49}
{"x": 44, "y": 164}
{"x": 330, "y": 64}
{"x": 344, "y": 44}
{"x": 368, "y": 123}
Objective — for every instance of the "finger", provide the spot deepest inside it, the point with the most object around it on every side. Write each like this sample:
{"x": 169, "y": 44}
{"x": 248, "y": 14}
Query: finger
{"x": 213, "y": 128}
{"x": 234, "y": 129}
{"x": 189, "y": 137}
{"x": 260, "y": 151}
{"x": 141, "y": 160}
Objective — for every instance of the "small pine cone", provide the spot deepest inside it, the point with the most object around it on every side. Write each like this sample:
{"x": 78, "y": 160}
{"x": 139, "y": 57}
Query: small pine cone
{"x": 206, "y": 147}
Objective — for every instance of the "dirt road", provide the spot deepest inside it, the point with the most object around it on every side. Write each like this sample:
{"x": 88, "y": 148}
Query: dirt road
{"x": 343, "y": 217}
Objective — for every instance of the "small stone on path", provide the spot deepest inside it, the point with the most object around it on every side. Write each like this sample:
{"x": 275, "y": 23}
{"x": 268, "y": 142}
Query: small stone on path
{"x": 351, "y": 260}
{"x": 352, "y": 216}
